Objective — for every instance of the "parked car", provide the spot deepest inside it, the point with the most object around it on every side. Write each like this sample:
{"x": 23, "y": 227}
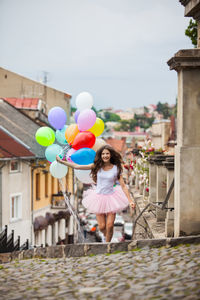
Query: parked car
{"x": 128, "y": 231}
{"x": 81, "y": 210}
{"x": 117, "y": 237}
{"x": 119, "y": 221}
{"x": 91, "y": 216}
{"x": 92, "y": 222}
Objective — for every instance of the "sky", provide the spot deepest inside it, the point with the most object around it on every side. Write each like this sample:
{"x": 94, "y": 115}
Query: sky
{"x": 117, "y": 50}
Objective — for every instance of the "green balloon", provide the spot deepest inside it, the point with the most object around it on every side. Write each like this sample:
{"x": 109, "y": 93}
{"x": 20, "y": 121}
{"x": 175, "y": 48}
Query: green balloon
{"x": 45, "y": 136}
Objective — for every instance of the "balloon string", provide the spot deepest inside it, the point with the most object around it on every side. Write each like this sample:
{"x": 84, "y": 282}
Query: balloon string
{"x": 72, "y": 211}
{"x": 64, "y": 151}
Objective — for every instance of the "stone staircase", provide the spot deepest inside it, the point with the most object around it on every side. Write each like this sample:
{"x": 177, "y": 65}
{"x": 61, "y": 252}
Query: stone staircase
{"x": 78, "y": 250}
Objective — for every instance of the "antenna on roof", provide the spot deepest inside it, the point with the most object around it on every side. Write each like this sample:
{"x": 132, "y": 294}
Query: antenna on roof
{"x": 45, "y": 80}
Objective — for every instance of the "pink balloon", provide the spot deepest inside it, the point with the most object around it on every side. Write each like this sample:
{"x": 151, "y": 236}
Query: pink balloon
{"x": 86, "y": 119}
{"x": 69, "y": 153}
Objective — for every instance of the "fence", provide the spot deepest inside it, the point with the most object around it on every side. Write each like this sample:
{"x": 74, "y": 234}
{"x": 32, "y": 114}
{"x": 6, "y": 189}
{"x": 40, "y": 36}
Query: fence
{"x": 7, "y": 243}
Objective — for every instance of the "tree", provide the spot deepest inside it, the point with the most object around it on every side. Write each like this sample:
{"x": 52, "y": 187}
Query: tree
{"x": 163, "y": 108}
{"x": 159, "y": 107}
{"x": 133, "y": 124}
{"x": 191, "y": 32}
{"x": 111, "y": 117}
{"x": 73, "y": 109}
{"x": 124, "y": 125}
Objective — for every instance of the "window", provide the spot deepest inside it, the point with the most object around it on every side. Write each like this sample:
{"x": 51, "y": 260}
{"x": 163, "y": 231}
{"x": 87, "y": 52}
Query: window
{"x": 15, "y": 207}
{"x": 38, "y": 186}
{"x": 52, "y": 184}
{"x": 46, "y": 184}
{"x": 14, "y": 166}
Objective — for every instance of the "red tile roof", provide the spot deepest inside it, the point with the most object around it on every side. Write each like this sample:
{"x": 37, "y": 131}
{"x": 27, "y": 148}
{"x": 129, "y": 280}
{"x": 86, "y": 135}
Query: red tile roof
{"x": 10, "y": 147}
{"x": 118, "y": 145}
{"x": 31, "y": 103}
{"x": 128, "y": 133}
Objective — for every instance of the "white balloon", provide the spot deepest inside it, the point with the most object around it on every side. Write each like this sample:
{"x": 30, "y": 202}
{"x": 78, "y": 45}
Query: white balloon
{"x": 98, "y": 144}
{"x": 58, "y": 170}
{"x": 84, "y": 100}
{"x": 84, "y": 176}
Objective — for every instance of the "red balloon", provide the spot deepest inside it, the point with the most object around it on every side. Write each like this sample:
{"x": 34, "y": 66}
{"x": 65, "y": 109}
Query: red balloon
{"x": 84, "y": 139}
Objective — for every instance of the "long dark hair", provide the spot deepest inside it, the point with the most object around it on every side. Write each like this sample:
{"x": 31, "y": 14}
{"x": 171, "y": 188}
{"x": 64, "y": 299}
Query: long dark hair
{"x": 115, "y": 159}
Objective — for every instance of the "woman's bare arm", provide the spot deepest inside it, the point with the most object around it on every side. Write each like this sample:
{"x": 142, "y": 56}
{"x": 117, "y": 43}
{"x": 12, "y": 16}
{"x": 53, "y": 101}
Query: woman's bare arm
{"x": 73, "y": 165}
{"x": 126, "y": 192}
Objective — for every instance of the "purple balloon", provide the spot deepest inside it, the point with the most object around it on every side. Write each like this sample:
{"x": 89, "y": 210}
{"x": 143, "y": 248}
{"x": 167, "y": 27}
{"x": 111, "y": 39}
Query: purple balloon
{"x": 86, "y": 119}
{"x": 57, "y": 117}
{"x": 76, "y": 115}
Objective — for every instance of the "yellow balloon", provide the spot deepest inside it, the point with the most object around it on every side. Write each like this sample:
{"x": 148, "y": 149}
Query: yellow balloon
{"x": 71, "y": 132}
{"x": 98, "y": 144}
{"x": 98, "y": 127}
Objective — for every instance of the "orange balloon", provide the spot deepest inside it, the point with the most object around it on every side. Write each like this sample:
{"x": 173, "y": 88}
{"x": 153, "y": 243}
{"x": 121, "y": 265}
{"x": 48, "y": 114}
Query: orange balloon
{"x": 71, "y": 132}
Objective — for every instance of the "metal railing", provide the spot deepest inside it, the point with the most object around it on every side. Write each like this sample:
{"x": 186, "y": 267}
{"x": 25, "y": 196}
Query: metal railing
{"x": 7, "y": 243}
{"x": 164, "y": 203}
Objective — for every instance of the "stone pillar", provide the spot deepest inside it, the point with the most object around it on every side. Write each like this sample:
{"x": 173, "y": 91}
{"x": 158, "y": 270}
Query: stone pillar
{"x": 48, "y": 240}
{"x": 141, "y": 188}
{"x": 187, "y": 151}
{"x": 161, "y": 184}
{"x": 137, "y": 174}
{"x": 152, "y": 180}
{"x": 43, "y": 237}
{"x": 137, "y": 180}
{"x": 56, "y": 232}
{"x": 169, "y": 221}
{"x": 36, "y": 238}
{"x": 160, "y": 190}
{"x": 39, "y": 238}
{"x": 62, "y": 229}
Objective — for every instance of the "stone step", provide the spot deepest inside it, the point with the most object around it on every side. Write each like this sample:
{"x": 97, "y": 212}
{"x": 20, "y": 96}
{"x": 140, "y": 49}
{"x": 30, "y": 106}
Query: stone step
{"x": 78, "y": 250}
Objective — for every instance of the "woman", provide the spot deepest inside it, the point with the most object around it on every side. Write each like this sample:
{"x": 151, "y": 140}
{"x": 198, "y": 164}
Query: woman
{"x": 106, "y": 199}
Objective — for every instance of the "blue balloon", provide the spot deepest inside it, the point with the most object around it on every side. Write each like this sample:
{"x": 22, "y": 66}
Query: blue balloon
{"x": 83, "y": 156}
{"x": 52, "y": 151}
{"x": 60, "y": 135}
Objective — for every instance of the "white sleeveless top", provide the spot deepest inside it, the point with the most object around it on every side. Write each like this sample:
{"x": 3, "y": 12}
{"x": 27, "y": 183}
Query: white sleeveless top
{"x": 106, "y": 180}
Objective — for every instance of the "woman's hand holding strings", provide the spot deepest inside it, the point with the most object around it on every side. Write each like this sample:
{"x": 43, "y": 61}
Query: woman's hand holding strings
{"x": 58, "y": 159}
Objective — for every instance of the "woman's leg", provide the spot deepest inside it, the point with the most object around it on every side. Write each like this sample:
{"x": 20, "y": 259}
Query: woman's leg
{"x": 109, "y": 226}
{"x": 101, "y": 219}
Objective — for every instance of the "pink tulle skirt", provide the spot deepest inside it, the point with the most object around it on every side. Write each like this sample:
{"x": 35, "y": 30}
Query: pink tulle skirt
{"x": 105, "y": 203}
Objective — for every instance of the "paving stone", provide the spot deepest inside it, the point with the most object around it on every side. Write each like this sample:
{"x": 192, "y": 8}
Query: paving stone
{"x": 163, "y": 273}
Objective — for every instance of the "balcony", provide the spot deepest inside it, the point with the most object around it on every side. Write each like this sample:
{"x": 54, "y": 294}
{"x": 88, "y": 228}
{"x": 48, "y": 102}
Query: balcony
{"x": 58, "y": 201}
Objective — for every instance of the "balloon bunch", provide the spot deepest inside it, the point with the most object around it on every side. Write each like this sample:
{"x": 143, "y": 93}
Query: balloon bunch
{"x": 80, "y": 139}
{"x": 45, "y": 136}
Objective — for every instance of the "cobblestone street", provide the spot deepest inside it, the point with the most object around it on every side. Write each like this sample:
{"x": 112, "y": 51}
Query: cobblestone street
{"x": 149, "y": 273}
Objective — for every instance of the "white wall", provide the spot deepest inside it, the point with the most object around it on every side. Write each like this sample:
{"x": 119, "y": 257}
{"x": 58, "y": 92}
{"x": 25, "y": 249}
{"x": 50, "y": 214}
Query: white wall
{"x": 18, "y": 183}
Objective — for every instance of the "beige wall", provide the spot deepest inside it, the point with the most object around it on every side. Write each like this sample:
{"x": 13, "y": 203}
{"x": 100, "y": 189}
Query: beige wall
{"x": 44, "y": 199}
{"x": 125, "y": 115}
{"x": 15, "y": 85}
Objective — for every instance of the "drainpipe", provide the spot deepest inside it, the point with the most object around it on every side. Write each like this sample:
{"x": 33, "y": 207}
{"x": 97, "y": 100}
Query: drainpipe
{"x": 1, "y": 200}
{"x": 32, "y": 170}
